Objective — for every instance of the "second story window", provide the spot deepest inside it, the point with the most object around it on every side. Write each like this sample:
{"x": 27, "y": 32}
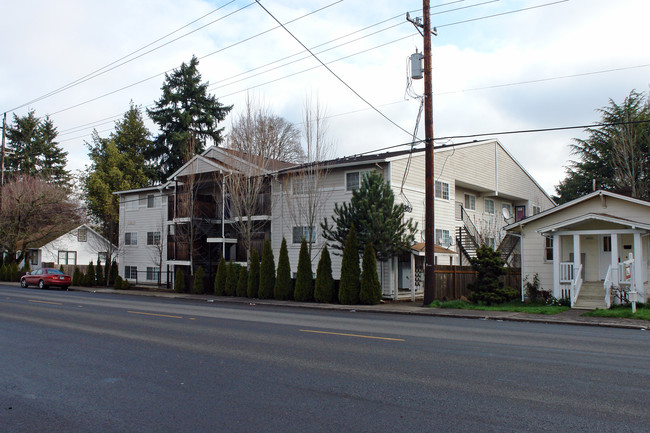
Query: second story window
{"x": 131, "y": 202}
{"x": 82, "y": 235}
{"x": 131, "y": 238}
{"x": 352, "y": 180}
{"x": 153, "y": 238}
{"x": 537, "y": 209}
{"x": 299, "y": 232}
{"x": 470, "y": 202}
{"x": 442, "y": 238}
{"x": 489, "y": 206}
{"x": 442, "y": 190}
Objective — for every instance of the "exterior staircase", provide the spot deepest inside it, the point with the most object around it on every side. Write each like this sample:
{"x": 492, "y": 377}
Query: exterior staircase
{"x": 507, "y": 246}
{"x": 591, "y": 296}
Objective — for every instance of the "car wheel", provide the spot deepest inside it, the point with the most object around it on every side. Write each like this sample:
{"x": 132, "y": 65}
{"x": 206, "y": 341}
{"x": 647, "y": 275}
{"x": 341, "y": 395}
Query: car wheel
{"x": 41, "y": 284}
{"x": 23, "y": 283}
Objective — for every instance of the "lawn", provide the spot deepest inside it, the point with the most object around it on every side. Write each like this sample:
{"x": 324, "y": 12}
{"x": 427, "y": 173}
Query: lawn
{"x": 514, "y": 306}
{"x": 622, "y": 312}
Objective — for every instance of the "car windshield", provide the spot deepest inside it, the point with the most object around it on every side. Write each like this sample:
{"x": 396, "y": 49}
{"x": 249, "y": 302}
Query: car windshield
{"x": 54, "y": 271}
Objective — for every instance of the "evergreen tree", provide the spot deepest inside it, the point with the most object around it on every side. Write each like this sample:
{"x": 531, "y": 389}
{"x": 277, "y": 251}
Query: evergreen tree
{"x": 349, "y": 285}
{"x": 370, "y": 292}
{"x": 253, "y": 275}
{"x": 242, "y": 282}
{"x": 304, "y": 291}
{"x": 117, "y": 283}
{"x": 179, "y": 281}
{"x": 282, "y": 289}
{"x": 99, "y": 273}
{"x": 267, "y": 272}
{"x": 197, "y": 286}
{"x": 61, "y": 269}
{"x": 113, "y": 274}
{"x": 187, "y": 116}
{"x": 487, "y": 288}
{"x": 378, "y": 220}
{"x": 76, "y": 277}
{"x": 91, "y": 279}
{"x": 26, "y": 266}
{"x": 324, "y": 286}
{"x": 107, "y": 273}
{"x": 13, "y": 271}
{"x": 220, "y": 278}
{"x": 3, "y": 272}
{"x": 231, "y": 279}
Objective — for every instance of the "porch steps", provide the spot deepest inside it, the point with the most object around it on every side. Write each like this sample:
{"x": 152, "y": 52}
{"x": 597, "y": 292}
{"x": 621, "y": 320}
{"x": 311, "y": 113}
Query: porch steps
{"x": 592, "y": 296}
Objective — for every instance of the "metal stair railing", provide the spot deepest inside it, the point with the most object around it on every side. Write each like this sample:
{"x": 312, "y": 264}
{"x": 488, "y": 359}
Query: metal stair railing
{"x": 508, "y": 245}
{"x": 470, "y": 228}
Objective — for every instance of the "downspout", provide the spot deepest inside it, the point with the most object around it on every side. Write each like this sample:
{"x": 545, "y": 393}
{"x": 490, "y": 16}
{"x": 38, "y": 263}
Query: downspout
{"x": 496, "y": 169}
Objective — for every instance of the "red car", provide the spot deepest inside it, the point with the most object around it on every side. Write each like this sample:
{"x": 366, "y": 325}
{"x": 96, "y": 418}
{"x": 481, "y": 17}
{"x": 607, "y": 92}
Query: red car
{"x": 44, "y": 278}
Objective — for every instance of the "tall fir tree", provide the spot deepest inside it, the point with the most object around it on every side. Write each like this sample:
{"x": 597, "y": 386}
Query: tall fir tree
{"x": 370, "y": 291}
{"x": 99, "y": 273}
{"x": 220, "y": 278}
{"x": 91, "y": 279}
{"x": 267, "y": 272}
{"x": 304, "y": 291}
{"x": 283, "y": 283}
{"x": 349, "y": 284}
{"x": 187, "y": 116}
{"x": 324, "y": 285}
{"x": 198, "y": 285}
{"x": 242, "y": 282}
{"x": 253, "y": 275}
{"x": 231, "y": 279}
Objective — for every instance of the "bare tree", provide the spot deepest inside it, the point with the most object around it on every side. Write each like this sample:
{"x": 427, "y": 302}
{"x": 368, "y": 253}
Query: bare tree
{"x": 304, "y": 190}
{"x": 32, "y": 212}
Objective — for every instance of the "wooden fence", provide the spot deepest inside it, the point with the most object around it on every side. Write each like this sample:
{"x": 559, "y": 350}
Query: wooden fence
{"x": 452, "y": 281}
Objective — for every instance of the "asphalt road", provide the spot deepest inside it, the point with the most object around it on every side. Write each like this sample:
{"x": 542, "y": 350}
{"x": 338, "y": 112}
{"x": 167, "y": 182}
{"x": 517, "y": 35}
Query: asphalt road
{"x": 77, "y": 362}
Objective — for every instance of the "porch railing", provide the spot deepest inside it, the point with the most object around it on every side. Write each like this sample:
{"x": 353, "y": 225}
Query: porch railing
{"x": 566, "y": 272}
{"x": 608, "y": 286}
{"x": 576, "y": 285}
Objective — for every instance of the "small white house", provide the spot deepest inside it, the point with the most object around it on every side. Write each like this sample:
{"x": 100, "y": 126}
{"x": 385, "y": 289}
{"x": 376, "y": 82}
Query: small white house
{"x": 79, "y": 246}
{"x": 592, "y": 250}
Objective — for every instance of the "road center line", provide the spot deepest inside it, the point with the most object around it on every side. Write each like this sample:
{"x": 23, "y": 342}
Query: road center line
{"x": 352, "y": 335}
{"x": 154, "y": 314}
{"x": 45, "y": 302}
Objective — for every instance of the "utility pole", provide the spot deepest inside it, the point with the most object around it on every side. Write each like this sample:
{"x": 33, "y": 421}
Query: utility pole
{"x": 2, "y": 158}
{"x": 429, "y": 179}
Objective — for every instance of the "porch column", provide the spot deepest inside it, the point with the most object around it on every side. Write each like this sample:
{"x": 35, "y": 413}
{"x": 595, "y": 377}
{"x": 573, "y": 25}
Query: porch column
{"x": 557, "y": 256}
{"x": 576, "y": 254}
{"x": 395, "y": 278}
{"x": 614, "y": 275}
{"x": 638, "y": 267}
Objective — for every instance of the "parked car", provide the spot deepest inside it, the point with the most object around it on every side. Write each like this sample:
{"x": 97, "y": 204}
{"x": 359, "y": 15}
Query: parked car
{"x": 46, "y": 277}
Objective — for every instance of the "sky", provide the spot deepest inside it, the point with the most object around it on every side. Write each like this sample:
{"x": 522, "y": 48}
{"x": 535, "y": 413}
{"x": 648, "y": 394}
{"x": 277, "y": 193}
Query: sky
{"x": 498, "y": 66}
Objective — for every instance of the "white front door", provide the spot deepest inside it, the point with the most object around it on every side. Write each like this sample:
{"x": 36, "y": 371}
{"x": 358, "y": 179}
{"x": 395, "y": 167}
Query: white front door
{"x": 604, "y": 255}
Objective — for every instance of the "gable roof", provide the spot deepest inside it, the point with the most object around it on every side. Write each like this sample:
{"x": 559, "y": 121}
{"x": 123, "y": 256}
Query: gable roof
{"x": 593, "y": 217}
{"x": 600, "y": 193}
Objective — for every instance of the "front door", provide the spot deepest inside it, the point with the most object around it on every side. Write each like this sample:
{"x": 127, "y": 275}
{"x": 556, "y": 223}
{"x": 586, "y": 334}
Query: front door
{"x": 604, "y": 255}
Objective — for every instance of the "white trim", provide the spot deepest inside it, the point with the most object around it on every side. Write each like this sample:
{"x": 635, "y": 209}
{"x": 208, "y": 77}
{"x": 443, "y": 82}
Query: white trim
{"x": 592, "y": 216}
{"x": 221, "y": 240}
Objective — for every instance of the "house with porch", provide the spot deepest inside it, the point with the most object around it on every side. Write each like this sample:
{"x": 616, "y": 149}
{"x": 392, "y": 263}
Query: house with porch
{"x": 592, "y": 250}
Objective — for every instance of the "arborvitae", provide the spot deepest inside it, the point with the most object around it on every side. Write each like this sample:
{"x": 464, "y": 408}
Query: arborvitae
{"x": 231, "y": 279}
{"x": 242, "y": 282}
{"x": 349, "y": 285}
{"x": 125, "y": 285}
{"x": 90, "y": 275}
{"x": 370, "y": 292}
{"x": 220, "y": 278}
{"x": 3, "y": 272}
{"x": 76, "y": 277}
{"x": 253, "y": 275}
{"x": 197, "y": 285}
{"x": 282, "y": 289}
{"x": 267, "y": 272}
{"x": 13, "y": 272}
{"x": 117, "y": 284}
{"x": 61, "y": 269}
{"x": 324, "y": 286}
{"x": 107, "y": 273}
{"x": 304, "y": 291}
{"x": 99, "y": 273}
{"x": 179, "y": 281}
{"x": 113, "y": 274}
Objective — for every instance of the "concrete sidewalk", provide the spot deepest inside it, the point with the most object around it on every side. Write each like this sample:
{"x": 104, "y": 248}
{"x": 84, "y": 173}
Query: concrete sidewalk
{"x": 571, "y": 317}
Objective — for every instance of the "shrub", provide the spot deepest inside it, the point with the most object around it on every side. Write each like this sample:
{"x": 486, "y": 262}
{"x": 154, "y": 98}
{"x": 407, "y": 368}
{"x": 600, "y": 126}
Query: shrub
{"x": 117, "y": 284}
{"x": 267, "y": 272}
{"x": 370, "y": 292}
{"x": 13, "y": 271}
{"x": 76, "y": 277}
{"x": 324, "y": 286}
{"x": 179, "y": 281}
{"x": 253, "y": 275}
{"x": 197, "y": 285}
{"x": 532, "y": 288}
{"x": 99, "y": 273}
{"x": 487, "y": 288}
{"x": 349, "y": 285}
{"x": 113, "y": 274}
{"x": 90, "y": 275}
{"x": 220, "y": 278}
{"x": 304, "y": 279}
{"x": 61, "y": 268}
{"x": 283, "y": 282}
{"x": 242, "y": 282}
{"x": 125, "y": 285}
{"x": 3, "y": 272}
{"x": 231, "y": 279}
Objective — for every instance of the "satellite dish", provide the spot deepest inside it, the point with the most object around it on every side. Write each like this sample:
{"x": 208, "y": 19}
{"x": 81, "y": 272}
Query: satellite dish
{"x": 506, "y": 215}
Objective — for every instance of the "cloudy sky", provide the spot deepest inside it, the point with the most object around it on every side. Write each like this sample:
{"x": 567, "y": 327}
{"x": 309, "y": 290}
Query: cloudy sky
{"x": 498, "y": 65}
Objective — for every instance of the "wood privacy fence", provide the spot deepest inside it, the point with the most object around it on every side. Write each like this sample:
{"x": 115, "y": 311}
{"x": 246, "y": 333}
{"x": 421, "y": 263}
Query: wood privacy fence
{"x": 452, "y": 281}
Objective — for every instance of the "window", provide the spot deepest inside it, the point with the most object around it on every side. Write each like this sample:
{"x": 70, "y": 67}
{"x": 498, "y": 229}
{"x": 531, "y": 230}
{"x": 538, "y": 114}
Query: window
{"x": 67, "y": 257}
{"x": 131, "y": 202}
{"x": 507, "y": 207}
{"x": 131, "y": 272}
{"x": 442, "y": 190}
{"x": 131, "y": 238}
{"x": 537, "y": 209}
{"x": 489, "y": 206}
{"x": 33, "y": 257}
{"x": 490, "y": 243}
{"x": 352, "y": 180}
{"x": 153, "y": 201}
{"x": 171, "y": 230}
{"x": 153, "y": 273}
{"x": 309, "y": 233}
{"x": 442, "y": 238}
{"x": 102, "y": 257}
{"x": 153, "y": 238}
{"x": 548, "y": 252}
{"x": 82, "y": 235}
{"x": 470, "y": 202}
{"x": 303, "y": 184}
{"x": 607, "y": 244}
